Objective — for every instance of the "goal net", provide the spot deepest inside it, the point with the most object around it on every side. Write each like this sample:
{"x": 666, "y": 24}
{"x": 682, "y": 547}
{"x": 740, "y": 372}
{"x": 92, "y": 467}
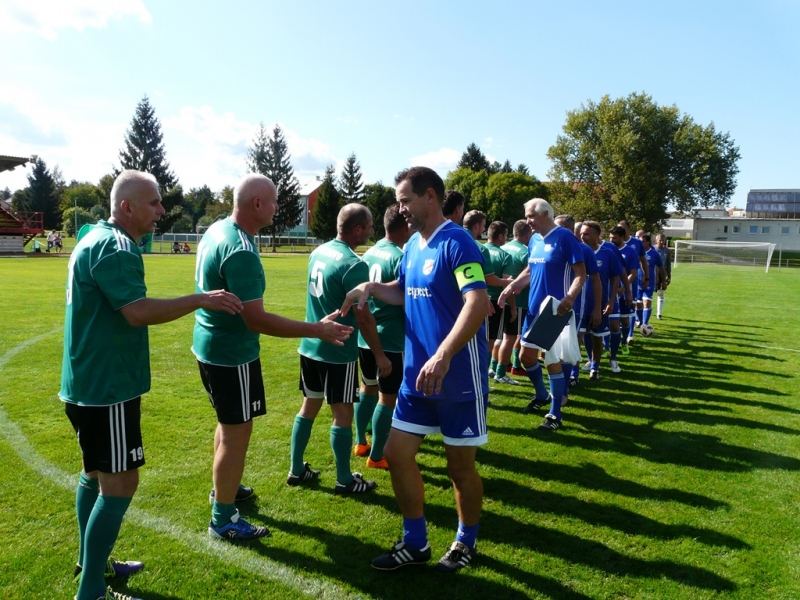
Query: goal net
{"x": 753, "y": 254}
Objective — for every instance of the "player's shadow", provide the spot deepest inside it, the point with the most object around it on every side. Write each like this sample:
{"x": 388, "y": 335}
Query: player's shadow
{"x": 593, "y": 477}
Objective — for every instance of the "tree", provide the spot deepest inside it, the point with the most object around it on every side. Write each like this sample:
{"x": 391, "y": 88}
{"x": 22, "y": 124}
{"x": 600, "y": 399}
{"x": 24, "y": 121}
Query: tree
{"x": 5, "y": 194}
{"x": 326, "y": 210}
{"x": 473, "y": 159}
{"x": 377, "y": 198}
{"x": 84, "y": 195}
{"x": 41, "y": 195}
{"x": 350, "y": 185}
{"x": 507, "y": 168}
{"x": 523, "y": 168}
{"x": 270, "y": 156}
{"x": 645, "y": 157}
{"x": 506, "y": 193}
{"x": 84, "y": 216}
{"x": 195, "y": 204}
{"x": 471, "y": 184}
{"x": 144, "y": 151}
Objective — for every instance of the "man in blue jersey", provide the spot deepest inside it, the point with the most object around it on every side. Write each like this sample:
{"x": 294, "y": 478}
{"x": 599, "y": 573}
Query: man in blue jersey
{"x": 627, "y": 303}
{"x": 666, "y": 258}
{"x": 587, "y": 307}
{"x": 555, "y": 268}
{"x": 106, "y": 369}
{"x": 656, "y": 275}
{"x": 444, "y": 389}
{"x": 637, "y": 283}
{"x": 609, "y": 269}
{"x": 227, "y": 347}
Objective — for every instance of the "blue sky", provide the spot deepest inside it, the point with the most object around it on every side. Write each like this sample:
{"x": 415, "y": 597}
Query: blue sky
{"x": 398, "y": 83}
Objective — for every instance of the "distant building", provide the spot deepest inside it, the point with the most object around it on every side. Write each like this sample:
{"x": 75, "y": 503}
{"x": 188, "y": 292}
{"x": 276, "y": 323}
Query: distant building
{"x": 309, "y": 189}
{"x": 773, "y": 204}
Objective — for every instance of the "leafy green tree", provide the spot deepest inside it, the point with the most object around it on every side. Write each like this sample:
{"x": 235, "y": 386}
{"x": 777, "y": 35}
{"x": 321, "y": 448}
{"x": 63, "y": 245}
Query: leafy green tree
{"x": 98, "y": 212}
{"x": 270, "y": 156}
{"x": 84, "y": 216}
{"x": 378, "y": 197}
{"x": 105, "y": 184}
{"x": 221, "y": 207}
{"x": 326, "y": 209}
{"x": 473, "y": 159}
{"x": 645, "y": 156}
{"x": 5, "y": 194}
{"x": 350, "y": 185}
{"x": 183, "y": 225}
{"x": 472, "y": 184}
{"x": 144, "y": 151}
{"x": 82, "y": 194}
{"x": 195, "y": 203}
{"x": 506, "y": 193}
{"x": 41, "y": 195}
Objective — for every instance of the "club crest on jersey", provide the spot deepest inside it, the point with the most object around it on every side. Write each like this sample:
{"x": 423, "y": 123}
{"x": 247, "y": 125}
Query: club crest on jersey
{"x": 427, "y": 268}
{"x": 548, "y": 247}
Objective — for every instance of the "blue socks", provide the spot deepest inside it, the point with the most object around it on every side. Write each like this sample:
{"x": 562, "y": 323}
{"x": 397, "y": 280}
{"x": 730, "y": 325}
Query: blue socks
{"x": 534, "y": 373}
{"x": 415, "y": 533}
{"x": 646, "y": 314}
{"x": 557, "y": 391}
{"x": 467, "y": 535}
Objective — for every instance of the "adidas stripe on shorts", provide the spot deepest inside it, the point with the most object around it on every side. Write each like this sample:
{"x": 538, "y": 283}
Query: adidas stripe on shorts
{"x": 460, "y": 423}
{"x": 110, "y": 437}
{"x": 236, "y": 393}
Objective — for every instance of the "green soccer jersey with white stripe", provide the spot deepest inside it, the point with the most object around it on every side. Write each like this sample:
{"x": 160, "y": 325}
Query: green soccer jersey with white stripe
{"x": 519, "y": 260}
{"x": 383, "y": 260}
{"x": 333, "y": 270}
{"x": 498, "y": 263}
{"x": 227, "y": 259}
{"x": 106, "y": 360}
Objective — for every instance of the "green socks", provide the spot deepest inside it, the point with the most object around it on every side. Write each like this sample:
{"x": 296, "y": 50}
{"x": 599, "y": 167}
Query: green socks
{"x": 85, "y": 497}
{"x": 102, "y": 530}
{"x": 363, "y": 410}
{"x": 500, "y": 372}
{"x": 222, "y": 513}
{"x": 301, "y": 433}
{"x": 493, "y": 365}
{"x": 515, "y": 359}
{"x": 341, "y": 442}
{"x": 381, "y": 424}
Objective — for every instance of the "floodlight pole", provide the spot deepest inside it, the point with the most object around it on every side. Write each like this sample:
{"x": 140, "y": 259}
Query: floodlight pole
{"x": 76, "y": 216}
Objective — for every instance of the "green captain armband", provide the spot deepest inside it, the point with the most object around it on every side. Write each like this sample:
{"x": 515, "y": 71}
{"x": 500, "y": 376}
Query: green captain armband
{"x": 468, "y": 274}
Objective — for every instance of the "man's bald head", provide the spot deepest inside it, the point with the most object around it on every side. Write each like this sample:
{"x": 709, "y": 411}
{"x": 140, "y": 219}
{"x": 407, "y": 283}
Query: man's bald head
{"x": 250, "y": 187}
{"x": 131, "y": 185}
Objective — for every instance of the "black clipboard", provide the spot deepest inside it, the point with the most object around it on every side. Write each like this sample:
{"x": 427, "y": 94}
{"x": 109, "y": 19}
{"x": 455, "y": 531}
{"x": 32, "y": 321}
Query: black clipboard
{"x": 547, "y": 325}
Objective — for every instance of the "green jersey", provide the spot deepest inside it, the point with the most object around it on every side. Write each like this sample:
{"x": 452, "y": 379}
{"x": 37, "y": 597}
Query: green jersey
{"x": 383, "y": 260}
{"x": 227, "y": 259}
{"x": 106, "y": 360}
{"x": 519, "y": 260}
{"x": 333, "y": 270}
{"x": 498, "y": 263}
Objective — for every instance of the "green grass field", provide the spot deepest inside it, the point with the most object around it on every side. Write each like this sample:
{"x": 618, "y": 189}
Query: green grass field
{"x": 678, "y": 478}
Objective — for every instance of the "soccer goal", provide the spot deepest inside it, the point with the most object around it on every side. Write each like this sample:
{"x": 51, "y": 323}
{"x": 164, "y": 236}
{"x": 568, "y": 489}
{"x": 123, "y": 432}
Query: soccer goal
{"x": 754, "y": 254}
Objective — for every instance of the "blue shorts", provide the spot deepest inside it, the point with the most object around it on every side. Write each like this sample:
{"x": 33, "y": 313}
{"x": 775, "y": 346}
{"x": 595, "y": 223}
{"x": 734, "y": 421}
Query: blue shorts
{"x": 460, "y": 423}
{"x": 636, "y": 291}
{"x": 601, "y": 330}
{"x": 625, "y": 310}
{"x": 649, "y": 292}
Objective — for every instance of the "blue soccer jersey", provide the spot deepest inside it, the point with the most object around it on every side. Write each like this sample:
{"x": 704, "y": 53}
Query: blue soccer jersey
{"x": 550, "y": 259}
{"x": 433, "y": 301}
{"x": 609, "y": 267}
{"x": 584, "y": 304}
{"x": 653, "y": 262}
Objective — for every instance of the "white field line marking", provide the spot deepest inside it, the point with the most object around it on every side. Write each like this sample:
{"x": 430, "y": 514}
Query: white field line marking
{"x": 240, "y": 557}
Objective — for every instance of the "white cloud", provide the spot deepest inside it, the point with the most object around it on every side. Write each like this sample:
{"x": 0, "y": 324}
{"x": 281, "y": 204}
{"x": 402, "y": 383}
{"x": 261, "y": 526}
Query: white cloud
{"x": 45, "y": 17}
{"x": 207, "y": 148}
{"x": 441, "y": 161}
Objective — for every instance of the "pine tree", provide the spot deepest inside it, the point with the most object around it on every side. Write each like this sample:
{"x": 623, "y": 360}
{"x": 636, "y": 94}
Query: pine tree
{"x": 378, "y": 197}
{"x": 144, "y": 151}
{"x": 350, "y": 185}
{"x": 270, "y": 156}
{"x": 522, "y": 168}
{"x": 473, "y": 159}
{"x": 41, "y": 195}
{"x": 507, "y": 168}
{"x": 326, "y": 210}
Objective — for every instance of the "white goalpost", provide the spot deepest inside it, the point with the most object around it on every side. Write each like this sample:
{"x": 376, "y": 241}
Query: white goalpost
{"x": 753, "y": 254}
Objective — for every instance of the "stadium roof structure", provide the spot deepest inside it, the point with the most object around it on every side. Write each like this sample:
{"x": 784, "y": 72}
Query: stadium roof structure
{"x": 9, "y": 163}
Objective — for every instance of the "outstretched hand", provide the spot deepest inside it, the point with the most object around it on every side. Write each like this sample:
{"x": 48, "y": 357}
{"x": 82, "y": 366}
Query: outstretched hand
{"x": 358, "y": 295}
{"x": 334, "y": 332}
{"x": 221, "y": 300}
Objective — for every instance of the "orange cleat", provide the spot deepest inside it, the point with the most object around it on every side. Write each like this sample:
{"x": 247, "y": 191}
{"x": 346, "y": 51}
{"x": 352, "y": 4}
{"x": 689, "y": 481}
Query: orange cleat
{"x": 377, "y": 464}
{"x": 362, "y": 449}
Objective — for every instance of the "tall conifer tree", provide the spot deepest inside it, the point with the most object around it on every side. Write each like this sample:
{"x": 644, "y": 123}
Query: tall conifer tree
{"x": 350, "y": 185}
{"x": 326, "y": 210}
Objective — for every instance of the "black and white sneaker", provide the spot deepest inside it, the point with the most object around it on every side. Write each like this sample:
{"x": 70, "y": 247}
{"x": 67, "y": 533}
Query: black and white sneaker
{"x": 535, "y": 404}
{"x": 457, "y": 557}
{"x": 550, "y": 423}
{"x": 358, "y": 486}
{"x": 594, "y": 375}
{"x": 243, "y": 493}
{"x": 400, "y": 556}
{"x": 308, "y": 475}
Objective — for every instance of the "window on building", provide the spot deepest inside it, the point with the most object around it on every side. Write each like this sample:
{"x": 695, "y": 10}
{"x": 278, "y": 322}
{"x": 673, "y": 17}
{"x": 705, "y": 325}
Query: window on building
{"x": 784, "y": 231}
{"x": 736, "y": 229}
{"x": 753, "y": 228}
{"x": 724, "y": 229}
{"x": 765, "y": 229}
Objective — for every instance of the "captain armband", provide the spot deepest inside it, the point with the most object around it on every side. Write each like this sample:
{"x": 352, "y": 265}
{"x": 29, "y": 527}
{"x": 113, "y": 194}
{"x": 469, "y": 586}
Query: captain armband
{"x": 468, "y": 274}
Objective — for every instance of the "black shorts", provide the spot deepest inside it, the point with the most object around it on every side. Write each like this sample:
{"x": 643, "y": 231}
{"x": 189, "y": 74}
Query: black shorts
{"x": 236, "y": 393}
{"x": 338, "y": 383}
{"x": 110, "y": 437}
{"x": 369, "y": 371}
{"x": 514, "y": 328}
{"x": 496, "y": 323}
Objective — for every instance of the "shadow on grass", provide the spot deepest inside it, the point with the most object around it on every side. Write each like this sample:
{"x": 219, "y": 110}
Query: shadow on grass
{"x": 593, "y": 477}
